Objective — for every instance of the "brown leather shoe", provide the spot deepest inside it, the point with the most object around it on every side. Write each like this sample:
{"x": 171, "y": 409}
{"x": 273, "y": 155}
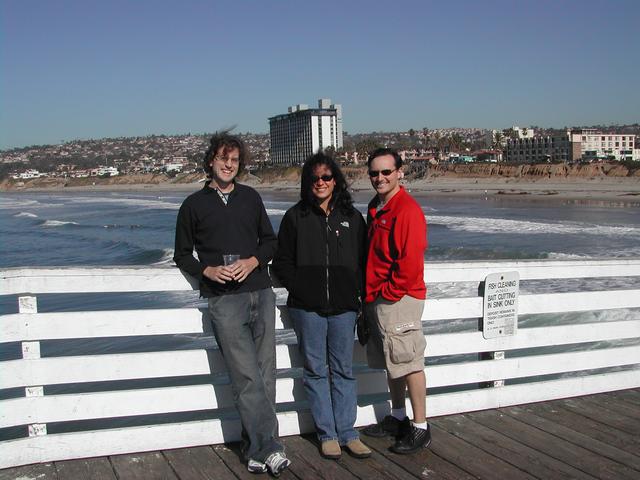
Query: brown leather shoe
{"x": 331, "y": 449}
{"x": 358, "y": 449}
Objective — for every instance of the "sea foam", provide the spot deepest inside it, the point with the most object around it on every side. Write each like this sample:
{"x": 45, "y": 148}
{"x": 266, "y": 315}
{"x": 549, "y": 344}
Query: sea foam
{"x": 57, "y": 223}
{"x": 501, "y": 225}
{"x": 166, "y": 259}
{"x": 133, "y": 202}
{"x": 26, "y": 214}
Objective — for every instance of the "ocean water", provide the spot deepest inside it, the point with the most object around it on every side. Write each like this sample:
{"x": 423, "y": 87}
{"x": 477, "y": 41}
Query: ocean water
{"x": 137, "y": 228}
{"x": 128, "y": 228}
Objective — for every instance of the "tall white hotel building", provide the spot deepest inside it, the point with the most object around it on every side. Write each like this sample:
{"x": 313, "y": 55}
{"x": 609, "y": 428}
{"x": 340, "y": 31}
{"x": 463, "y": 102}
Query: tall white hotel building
{"x": 304, "y": 131}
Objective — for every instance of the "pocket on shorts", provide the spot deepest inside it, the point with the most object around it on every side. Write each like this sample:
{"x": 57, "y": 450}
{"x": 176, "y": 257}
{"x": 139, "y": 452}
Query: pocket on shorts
{"x": 406, "y": 343}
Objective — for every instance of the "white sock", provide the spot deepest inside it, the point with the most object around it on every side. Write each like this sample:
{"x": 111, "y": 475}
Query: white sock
{"x": 422, "y": 425}
{"x": 399, "y": 413}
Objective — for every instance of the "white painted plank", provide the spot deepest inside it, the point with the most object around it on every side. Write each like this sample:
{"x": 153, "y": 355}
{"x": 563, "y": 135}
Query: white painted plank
{"x": 471, "y": 307}
{"x": 159, "y": 437}
{"x": 470, "y": 271}
{"x": 116, "y": 323}
{"x": 486, "y": 398}
{"x": 111, "y": 323}
{"x": 473, "y": 342}
{"x": 121, "y": 279}
{"x": 452, "y": 308}
{"x": 123, "y": 403}
{"x": 95, "y": 368}
{"x": 477, "y": 371}
{"x": 578, "y": 301}
{"x": 124, "y": 366}
{"x": 135, "y": 439}
{"x": 535, "y": 365}
{"x": 106, "y": 279}
{"x": 58, "y": 408}
{"x": 56, "y": 370}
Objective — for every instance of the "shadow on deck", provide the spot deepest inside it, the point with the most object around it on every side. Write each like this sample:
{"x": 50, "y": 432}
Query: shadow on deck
{"x": 596, "y": 436}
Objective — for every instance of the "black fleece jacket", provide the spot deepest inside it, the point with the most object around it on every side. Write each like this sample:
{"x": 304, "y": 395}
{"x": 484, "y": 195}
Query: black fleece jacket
{"x": 214, "y": 229}
{"x": 320, "y": 259}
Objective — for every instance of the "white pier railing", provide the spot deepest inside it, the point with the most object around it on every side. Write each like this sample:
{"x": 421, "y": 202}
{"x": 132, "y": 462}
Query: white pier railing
{"x": 76, "y": 403}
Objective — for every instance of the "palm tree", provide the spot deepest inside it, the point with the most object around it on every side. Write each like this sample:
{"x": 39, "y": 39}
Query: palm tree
{"x": 510, "y": 133}
{"x": 498, "y": 140}
{"x": 456, "y": 141}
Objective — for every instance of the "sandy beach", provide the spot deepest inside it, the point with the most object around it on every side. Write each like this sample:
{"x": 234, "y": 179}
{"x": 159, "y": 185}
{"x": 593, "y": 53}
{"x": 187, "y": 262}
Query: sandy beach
{"x": 610, "y": 189}
{"x": 603, "y": 188}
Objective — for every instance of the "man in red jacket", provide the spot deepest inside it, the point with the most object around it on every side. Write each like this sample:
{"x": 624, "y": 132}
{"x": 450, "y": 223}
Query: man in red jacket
{"x": 395, "y": 294}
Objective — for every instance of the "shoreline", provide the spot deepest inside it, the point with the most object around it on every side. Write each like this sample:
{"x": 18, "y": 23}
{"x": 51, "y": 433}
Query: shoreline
{"x": 601, "y": 188}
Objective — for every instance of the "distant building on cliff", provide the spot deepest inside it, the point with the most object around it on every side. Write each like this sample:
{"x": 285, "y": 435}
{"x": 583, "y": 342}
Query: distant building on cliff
{"x": 499, "y": 138}
{"x": 540, "y": 149}
{"x": 304, "y": 131}
{"x": 571, "y": 146}
{"x": 595, "y": 145}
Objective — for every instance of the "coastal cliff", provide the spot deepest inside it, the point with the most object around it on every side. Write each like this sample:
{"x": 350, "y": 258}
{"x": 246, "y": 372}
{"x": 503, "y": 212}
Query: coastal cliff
{"x": 487, "y": 170}
{"x": 290, "y": 176}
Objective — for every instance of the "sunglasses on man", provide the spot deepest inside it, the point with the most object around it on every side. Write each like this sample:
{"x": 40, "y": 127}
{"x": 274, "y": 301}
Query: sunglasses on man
{"x": 384, "y": 173}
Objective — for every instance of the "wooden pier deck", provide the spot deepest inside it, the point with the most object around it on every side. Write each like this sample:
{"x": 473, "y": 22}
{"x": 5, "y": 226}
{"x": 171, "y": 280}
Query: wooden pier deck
{"x": 596, "y": 436}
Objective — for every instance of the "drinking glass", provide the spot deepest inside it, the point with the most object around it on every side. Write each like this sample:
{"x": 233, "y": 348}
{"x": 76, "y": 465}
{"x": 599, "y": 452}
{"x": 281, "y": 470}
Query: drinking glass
{"x": 230, "y": 258}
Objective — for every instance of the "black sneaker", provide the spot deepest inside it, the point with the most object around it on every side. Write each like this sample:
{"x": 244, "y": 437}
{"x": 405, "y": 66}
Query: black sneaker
{"x": 412, "y": 439}
{"x": 388, "y": 426}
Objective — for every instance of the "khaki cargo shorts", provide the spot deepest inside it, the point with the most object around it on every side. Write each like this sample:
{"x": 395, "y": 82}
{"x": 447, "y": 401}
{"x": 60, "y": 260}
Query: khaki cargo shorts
{"x": 397, "y": 343}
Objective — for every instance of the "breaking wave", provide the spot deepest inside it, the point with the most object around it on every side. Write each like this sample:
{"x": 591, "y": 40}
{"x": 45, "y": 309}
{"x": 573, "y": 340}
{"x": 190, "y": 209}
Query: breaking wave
{"x": 26, "y": 214}
{"x": 57, "y": 223}
{"x": 501, "y": 225}
{"x": 167, "y": 257}
{"x": 133, "y": 202}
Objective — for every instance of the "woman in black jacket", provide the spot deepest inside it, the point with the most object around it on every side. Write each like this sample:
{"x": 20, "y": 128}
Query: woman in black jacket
{"x": 320, "y": 260}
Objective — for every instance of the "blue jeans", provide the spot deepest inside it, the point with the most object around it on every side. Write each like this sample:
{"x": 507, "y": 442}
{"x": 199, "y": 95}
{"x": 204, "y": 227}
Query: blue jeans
{"x": 326, "y": 344}
{"x": 244, "y": 327}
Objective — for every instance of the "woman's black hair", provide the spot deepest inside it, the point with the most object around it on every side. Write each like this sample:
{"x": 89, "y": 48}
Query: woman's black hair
{"x": 341, "y": 198}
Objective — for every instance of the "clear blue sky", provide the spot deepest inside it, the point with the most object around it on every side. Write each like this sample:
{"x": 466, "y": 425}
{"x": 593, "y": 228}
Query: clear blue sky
{"x": 93, "y": 69}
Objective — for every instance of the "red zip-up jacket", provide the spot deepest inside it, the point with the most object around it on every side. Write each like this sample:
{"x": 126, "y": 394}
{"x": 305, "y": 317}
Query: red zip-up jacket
{"x": 397, "y": 237}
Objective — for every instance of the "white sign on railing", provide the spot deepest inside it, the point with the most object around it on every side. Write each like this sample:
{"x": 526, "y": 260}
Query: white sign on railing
{"x": 500, "y": 312}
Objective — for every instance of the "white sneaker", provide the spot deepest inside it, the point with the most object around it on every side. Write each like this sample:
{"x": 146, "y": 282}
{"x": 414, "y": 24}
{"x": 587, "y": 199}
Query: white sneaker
{"x": 254, "y": 466}
{"x": 277, "y": 463}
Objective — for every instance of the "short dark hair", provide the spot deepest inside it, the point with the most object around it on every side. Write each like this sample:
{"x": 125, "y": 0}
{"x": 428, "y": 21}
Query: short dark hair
{"x": 227, "y": 142}
{"x": 341, "y": 198}
{"x": 379, "y": 152}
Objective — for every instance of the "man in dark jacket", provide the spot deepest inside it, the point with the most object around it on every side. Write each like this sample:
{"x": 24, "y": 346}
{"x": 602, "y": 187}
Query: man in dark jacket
{"x": 227, "y": 218}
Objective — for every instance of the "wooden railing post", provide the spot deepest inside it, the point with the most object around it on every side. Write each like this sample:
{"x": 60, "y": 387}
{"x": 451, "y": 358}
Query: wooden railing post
{"x": 499, "y": 355}
{"x": 30, "y": 351}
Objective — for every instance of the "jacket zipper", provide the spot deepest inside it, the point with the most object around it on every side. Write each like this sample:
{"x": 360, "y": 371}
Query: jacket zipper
{"x": 327, "y": 254}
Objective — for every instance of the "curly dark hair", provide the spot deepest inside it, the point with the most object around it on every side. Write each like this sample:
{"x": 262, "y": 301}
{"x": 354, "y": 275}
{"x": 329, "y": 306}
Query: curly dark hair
{"x": 379, "y": 152}
{"x": 227, "y": 142}
{"x": 341, "y": 198}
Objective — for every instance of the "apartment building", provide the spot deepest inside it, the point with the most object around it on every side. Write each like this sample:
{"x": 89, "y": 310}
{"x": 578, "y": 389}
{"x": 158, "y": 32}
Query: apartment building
{"x": 498, "y": 138}
{"x": 596, "y": 145}
{"x": 304, "y": 131}
{"x": 532, "y": 149}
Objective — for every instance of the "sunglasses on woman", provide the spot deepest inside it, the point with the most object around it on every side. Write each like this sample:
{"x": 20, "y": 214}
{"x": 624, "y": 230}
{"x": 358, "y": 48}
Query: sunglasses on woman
{"x": 324, "y": 178}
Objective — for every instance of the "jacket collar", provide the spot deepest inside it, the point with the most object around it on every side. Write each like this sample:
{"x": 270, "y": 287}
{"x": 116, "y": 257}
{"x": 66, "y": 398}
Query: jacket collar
{"x": 395, "y": 199}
